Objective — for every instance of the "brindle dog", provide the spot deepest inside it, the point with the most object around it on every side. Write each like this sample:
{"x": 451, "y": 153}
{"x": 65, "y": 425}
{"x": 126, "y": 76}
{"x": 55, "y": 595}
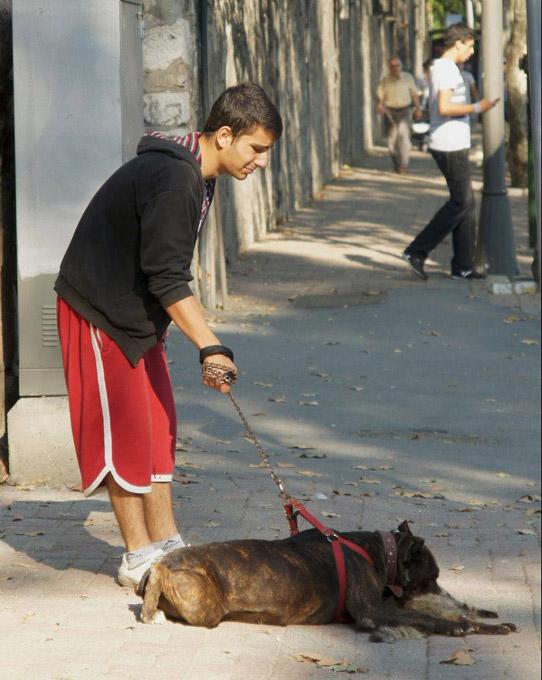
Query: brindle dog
{"x": 294, "y": 581}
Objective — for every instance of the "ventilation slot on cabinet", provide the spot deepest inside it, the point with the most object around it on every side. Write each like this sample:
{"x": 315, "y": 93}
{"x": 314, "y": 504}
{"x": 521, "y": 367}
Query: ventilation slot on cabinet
{"x": 49, "y": 333}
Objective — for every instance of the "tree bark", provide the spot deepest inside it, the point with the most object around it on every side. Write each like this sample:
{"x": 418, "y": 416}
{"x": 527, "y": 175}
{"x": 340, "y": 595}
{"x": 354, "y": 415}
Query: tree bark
{"x": 516, "y": 84}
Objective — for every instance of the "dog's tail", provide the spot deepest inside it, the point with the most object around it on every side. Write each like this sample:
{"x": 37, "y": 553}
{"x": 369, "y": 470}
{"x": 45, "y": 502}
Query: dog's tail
{"x": 143, "y": 583}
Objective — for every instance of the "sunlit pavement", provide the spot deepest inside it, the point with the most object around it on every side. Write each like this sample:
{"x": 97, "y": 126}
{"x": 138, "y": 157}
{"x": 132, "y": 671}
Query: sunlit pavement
{"x": 387, "y": 397}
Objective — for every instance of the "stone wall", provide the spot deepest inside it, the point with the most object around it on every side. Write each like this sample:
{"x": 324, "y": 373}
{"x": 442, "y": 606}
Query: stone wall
{"x": 319, "y": 61}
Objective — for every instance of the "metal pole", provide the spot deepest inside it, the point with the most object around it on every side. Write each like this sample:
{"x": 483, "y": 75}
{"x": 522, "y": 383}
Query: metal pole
{"x": 533, "y": 51}
{"x": 469, "y": 12}
{"x": 496, "y": 244}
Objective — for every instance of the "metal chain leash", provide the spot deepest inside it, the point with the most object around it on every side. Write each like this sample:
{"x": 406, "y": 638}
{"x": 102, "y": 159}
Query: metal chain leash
{"x": 223, "y": 375}
{"x": 265, "y": 460}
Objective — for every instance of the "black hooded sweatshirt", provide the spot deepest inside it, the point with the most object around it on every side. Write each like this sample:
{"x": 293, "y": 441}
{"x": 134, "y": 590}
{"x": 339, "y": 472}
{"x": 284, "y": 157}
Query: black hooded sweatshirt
{"x": 130, "y": 255}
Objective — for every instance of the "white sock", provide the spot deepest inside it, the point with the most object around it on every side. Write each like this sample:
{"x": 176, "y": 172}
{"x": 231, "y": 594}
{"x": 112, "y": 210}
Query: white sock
{"x": 171, "y": 543}
{"x": 135, "y": 557}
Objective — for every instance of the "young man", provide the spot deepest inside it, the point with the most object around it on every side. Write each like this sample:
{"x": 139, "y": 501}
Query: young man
{"x": 396, "y": 94}
{"x": 123, "y": 279}
{"x": 449, "y": 146}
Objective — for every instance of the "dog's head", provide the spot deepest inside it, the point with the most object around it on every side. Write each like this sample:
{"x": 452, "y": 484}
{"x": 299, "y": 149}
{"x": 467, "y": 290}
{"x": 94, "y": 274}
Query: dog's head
{"x": 417, "y": 569}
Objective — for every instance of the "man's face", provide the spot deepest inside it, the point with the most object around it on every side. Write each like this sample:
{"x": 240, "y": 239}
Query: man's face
{"x": 395, "y": 67}
{"x": 465, "y": 49}
{"x": 241, "y": 156}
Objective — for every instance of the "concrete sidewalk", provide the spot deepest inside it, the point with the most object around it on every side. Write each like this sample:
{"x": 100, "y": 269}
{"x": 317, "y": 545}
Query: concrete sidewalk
{"x": 393, "y": 398}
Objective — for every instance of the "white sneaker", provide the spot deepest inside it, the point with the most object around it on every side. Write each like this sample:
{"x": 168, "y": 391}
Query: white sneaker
{"x": 130, "y": 575}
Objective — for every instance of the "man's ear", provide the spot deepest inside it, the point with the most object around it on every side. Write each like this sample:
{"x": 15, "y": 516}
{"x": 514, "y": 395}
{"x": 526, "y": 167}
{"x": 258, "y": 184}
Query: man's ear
{"x": 404, "y": 528}
{"x": 224, "y": 136}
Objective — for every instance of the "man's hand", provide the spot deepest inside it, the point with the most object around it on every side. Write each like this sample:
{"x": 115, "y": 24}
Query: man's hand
{"x": 214, "y": 381}
{"x": 487, "y": 104}
{"x": 380, "y": 108}
{"x": 417, "y": 114}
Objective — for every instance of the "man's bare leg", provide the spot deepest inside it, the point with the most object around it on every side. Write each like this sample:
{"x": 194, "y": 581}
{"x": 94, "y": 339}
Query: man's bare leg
{"x": 129, "y": 512}
{"x": 158, "y": 512}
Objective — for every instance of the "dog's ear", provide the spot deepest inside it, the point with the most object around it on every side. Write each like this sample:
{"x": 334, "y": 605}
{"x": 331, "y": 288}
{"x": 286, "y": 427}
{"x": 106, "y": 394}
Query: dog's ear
{"x": 404, "y": 528}
{"x": 414, "y": 547}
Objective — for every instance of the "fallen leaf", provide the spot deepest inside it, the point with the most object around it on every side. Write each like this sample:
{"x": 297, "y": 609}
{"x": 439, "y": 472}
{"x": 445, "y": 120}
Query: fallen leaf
{"x": 526, "y": 532}
{"x": 417, "y": 494}
{"x": 309, "y": 473}
{"x": 532, "y": 511}
{"x": 463, "y": 509}
{"x": 263, "y": 384}
{"x": 312, "y": 455}
{"x": 512, "y": 319}
{"x": 529, "y": 498}
{"x": 366, "y": 480}
{"x": 347, "y": 668}
{"x": 211, "y": 524}
{"x": 285, "y": 465}
{"x": 502, "y": 474}
{"x": 529, "y": 341}
{"x": 308, "y": 403}
{"x": 300, "y": 447}
{"x": 258, "y": 413}
{"x": 444, "y": 534}
{"x": 331, "y": 342}
{"x": 318, "y": 659}
{"x": 357, "y": 388}
{"x": 88, "y": 522}
{"x": 333, "y": 515}
{"x": 277, "y": 400}
{"x": 461, "y": 657}
{"x": 321, "y": 496}
{"x": 456, "y": 567}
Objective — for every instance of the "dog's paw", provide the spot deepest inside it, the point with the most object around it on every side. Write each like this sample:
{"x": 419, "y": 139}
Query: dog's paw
{"x": 157, "y": 618}
{"x": 365, "y": 624}
{"x": 511, "y": 627}
{"x": 485, "y": 614}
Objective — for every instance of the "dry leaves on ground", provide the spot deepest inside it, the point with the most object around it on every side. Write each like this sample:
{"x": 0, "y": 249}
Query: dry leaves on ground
{"x": 312, "y": 455}
{"x": 417, "y": 494}
{"x": 460, "y": 657}
{"x": 529, "y": 341}
{"x": 332, "y": 515}
{"x": 328, "y": 663}
{"x": 277, "y": 400}
{"x": 526, "y": 532}
{"x": 457, "y": 567}
{"x": 309, "y": 473}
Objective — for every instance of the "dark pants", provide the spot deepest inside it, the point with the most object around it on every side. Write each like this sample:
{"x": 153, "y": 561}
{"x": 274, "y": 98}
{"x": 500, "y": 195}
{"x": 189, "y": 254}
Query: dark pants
{"x": 455, "y": 216}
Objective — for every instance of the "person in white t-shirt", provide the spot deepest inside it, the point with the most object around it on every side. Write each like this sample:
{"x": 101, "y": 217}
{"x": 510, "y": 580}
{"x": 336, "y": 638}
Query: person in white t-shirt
{"x": 449, "y": 146}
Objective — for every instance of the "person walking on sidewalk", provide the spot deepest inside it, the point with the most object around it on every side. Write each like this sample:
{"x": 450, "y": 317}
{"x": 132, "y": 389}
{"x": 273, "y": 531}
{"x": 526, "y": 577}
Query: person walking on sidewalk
{"x": 396, "y": 94}
{"x": 123, "y": 279}
{"x": 449, "y": 145}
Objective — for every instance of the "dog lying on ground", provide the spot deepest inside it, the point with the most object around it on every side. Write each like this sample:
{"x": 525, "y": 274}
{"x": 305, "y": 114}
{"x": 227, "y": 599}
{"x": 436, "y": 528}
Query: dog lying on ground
{"x": 294, "y": 581}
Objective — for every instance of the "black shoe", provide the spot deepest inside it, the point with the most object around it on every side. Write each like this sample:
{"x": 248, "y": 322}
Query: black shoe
{"x": 468, "y": 274}
{"x": 416, "y": 264}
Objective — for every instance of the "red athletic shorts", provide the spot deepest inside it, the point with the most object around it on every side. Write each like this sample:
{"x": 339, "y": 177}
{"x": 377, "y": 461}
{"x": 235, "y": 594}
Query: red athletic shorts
{"x": 123, "y": 418}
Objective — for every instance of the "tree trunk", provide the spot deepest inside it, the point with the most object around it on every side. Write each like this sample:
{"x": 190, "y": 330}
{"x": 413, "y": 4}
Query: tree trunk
{"x": 516, "y": 84}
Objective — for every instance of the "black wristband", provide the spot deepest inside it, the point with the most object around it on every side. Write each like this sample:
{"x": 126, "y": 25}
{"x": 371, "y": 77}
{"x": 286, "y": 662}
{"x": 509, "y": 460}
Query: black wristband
{"x": 214, "y": 349}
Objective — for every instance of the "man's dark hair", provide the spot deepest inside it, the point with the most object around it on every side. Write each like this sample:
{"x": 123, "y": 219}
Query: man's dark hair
{"x": 243, "y": 108}
{"x": 457, "y": 32}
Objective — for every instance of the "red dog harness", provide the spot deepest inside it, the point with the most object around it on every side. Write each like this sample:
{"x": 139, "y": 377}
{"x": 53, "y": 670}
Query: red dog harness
{"x": 293, "y": 508}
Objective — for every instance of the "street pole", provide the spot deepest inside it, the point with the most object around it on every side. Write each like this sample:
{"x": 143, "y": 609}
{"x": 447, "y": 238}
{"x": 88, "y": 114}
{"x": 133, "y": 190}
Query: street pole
{"x": 496, "y": 237}
{"x": 533, "y": 52}
{"x": 469, "y": 13}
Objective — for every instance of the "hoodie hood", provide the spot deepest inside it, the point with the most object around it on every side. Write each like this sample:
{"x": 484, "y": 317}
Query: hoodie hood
{"x": 152, "y": 144}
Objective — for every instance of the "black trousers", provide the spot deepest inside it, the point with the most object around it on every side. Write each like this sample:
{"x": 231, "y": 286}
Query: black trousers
{"x": 456, "y": 216}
